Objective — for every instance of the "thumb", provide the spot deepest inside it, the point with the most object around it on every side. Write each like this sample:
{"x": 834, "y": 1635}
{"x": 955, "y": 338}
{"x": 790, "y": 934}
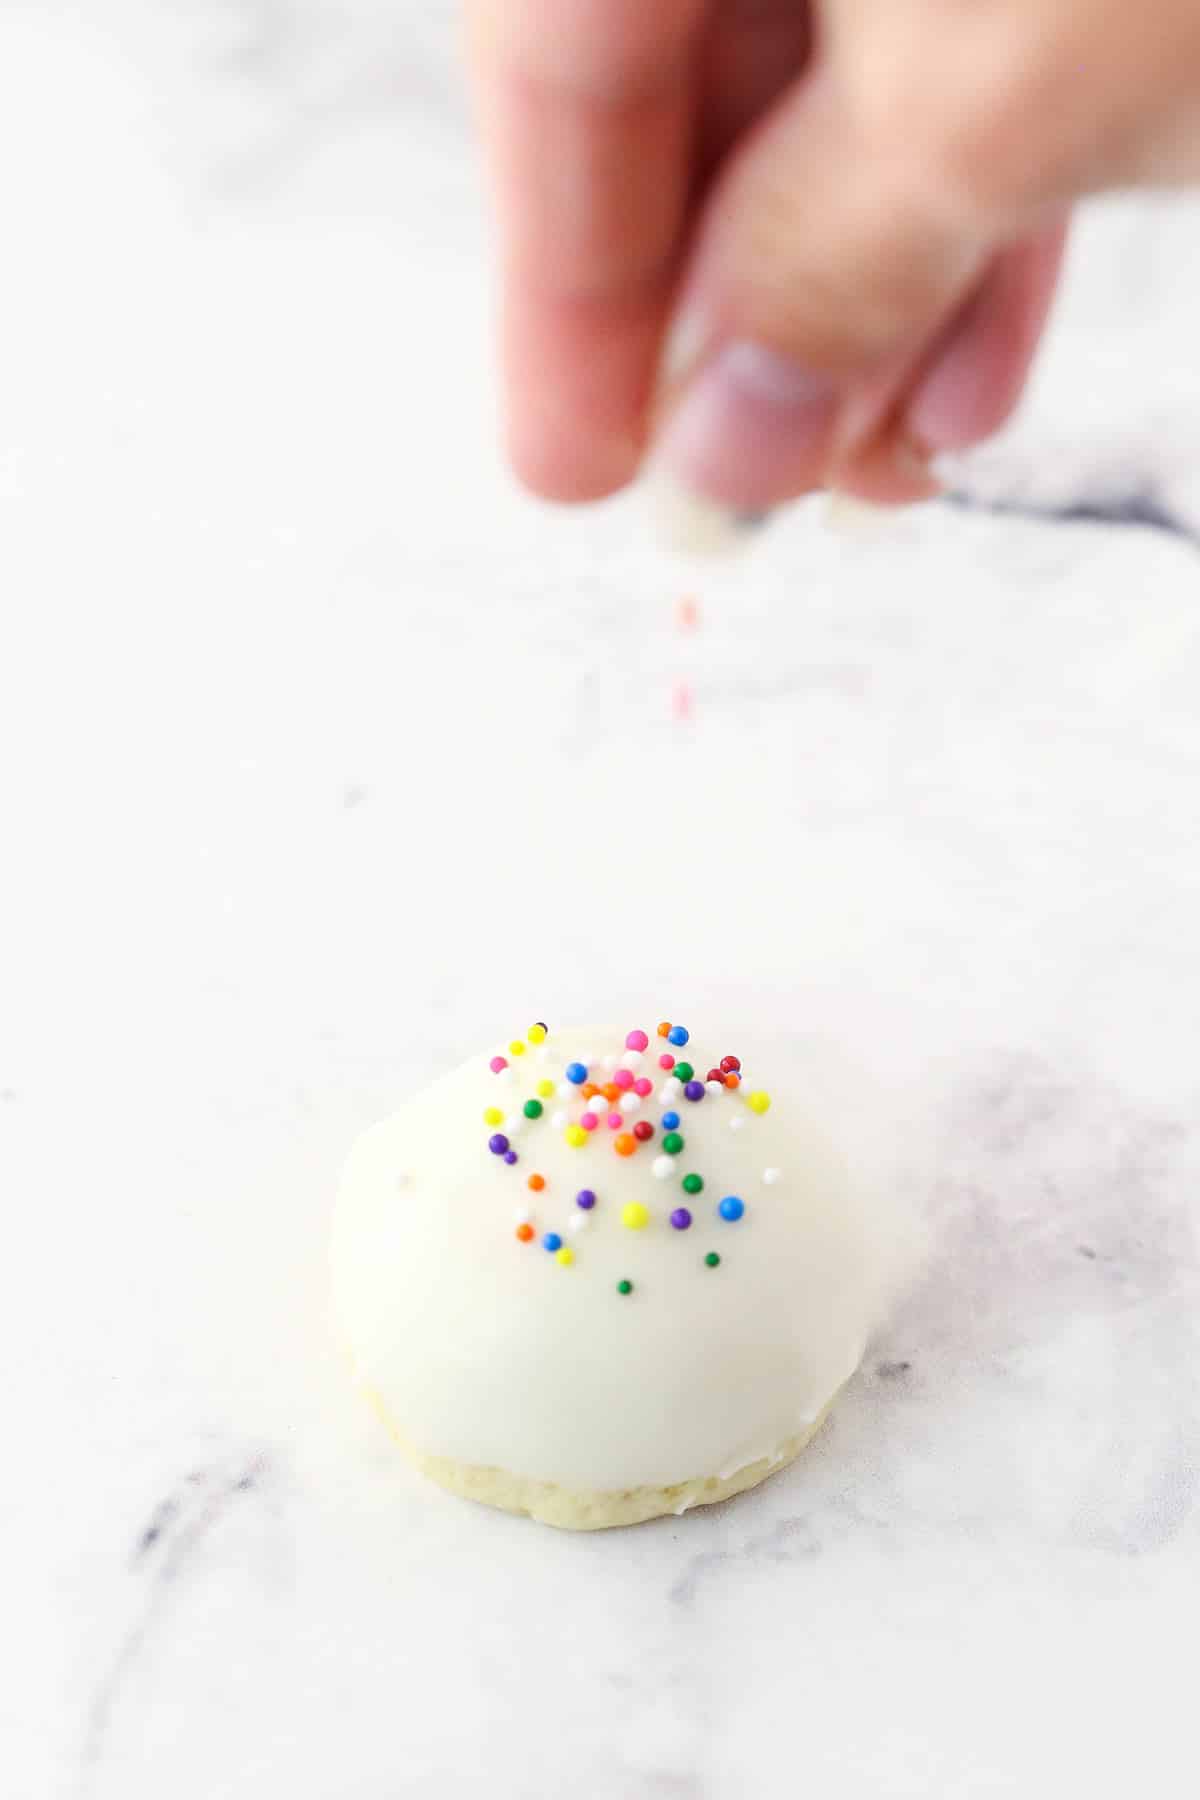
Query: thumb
{"x": 892, "y": 211}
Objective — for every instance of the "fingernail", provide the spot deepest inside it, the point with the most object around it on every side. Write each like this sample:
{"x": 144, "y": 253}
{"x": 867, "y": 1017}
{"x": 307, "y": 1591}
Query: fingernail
{"x": 749, "y": 429}
{"x": 943, "y": 411}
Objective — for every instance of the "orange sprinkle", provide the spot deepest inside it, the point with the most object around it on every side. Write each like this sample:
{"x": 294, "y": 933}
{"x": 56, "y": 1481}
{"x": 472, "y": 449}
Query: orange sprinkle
{"x": 588, "y": 1090}
{"x": 537, "y": 1183}
{"x": 624, "y": 1144}
{"x": 732, "y": 1081}
{"x": 664, "y": 1028}
{"x": 611, "y": 1091}
{"x": 524, "y": 1232}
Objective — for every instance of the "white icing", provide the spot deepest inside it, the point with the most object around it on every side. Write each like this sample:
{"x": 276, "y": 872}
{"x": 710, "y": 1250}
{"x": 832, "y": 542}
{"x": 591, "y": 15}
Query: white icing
{"x": 486, "y": 1350}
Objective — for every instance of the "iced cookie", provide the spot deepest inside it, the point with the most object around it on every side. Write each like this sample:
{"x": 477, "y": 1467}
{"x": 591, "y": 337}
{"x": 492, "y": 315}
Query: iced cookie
{"x": 598, "y": 1275}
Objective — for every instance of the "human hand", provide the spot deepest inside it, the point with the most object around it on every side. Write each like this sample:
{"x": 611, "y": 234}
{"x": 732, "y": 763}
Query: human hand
{"x": 844, "y": 220}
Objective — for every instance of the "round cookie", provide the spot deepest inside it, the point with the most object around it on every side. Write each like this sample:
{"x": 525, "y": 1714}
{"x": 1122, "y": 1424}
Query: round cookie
{"x": 598, "y": 1275}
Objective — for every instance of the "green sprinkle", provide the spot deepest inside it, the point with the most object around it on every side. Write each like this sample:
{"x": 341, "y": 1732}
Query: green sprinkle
{"x": 683, "y": 1071}
{"x": 533, "y": 1109}
{"x": 624, "y": 1287}
{"x": 712, "y": 1259}
{"x": 692, "y": 1184}
{"x": 672, "y": 1143}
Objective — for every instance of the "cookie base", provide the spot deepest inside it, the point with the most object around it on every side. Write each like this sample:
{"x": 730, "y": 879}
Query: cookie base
{"x": 598, "y": 1509}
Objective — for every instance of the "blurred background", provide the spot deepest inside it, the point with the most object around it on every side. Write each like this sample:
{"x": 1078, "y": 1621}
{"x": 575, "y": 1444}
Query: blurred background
{"x": 326, "y": 756}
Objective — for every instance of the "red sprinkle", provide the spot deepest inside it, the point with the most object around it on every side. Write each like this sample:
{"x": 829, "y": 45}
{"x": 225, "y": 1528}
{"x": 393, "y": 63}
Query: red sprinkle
{"x": 643, "y": 1130}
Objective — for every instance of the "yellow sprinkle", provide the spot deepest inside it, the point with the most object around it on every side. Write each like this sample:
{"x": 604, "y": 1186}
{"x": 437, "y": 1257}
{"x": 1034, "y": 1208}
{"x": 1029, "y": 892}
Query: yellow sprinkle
{"x": 758, "y": 1101}
{"x": 516, "y": 1048}
{"x": 492, "y": 1115}
{"x": 576, "y": 1136}
{"x": 545, "y": 1089}
{"x": 536, "y": 1034}
{"x": 635, "y": 1215}
{"x": 565, "y": 1256}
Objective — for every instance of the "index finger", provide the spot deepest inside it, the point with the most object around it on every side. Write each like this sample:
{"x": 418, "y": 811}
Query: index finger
{"x": 587, "y": 114}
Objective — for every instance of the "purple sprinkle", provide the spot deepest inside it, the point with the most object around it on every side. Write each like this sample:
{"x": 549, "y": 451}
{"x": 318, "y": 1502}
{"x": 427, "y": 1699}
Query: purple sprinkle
{"x": 586, "y": 1199}
{"x": 681, "y": 1218}
{"x": 510, "y": 1157}
{"x": 694, "y": 1090}
{"x": 498, "y": 1143}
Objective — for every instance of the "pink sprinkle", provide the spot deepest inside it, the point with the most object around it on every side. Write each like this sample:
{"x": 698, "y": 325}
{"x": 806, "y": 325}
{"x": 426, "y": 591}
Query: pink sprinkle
{"x": 497, "y": 1063}
{"x": 615, "y": 1120}
{"x": 623, "y": 1078}
{"x": 637, "y": 1040}
{"x": 681, "y": 700}
{"x": 666, "y": 1061}
{"x": 687, "y": 613}
{"x": 589, "y": 1121}
{"x": 643, "y": 1086}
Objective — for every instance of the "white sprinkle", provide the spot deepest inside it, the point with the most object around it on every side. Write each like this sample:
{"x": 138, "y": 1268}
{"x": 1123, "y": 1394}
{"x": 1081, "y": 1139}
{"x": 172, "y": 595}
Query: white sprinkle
{"x": 714, "y": 1087}
{"x": 522, "y": 1216}
{"x": 737, "y": 1121}
{"x": 558, "y": 1120}
{"x": 664, "y": 1167}
{"x": 610, "y": 1062}
{"x": 633, "y": 1059}
{"x": 514, "y": 1123}
{"x": 629, "y": 1102}
{"x": 586, "y": 1058}
{"x": 543, "y": 1053}
{"x": 578, "y": 1221}
{"x": 671, "y": 1088}
{"x": 566, "y": 1090}
{"x": 771, "y": 1176}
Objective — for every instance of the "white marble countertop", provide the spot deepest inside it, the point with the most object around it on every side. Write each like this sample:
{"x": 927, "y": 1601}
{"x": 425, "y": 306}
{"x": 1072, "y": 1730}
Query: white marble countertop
{"x": 325, "y": 756}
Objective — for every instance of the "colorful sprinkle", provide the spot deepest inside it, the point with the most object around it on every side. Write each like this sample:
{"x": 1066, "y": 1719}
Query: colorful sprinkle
{"x": 492, "y": 1115}
{"x": 510, "y": 1157}
{"x": 731, "y": 1208}
{"x": 516, "y": 1048}
{"x": 632, "y": 1060}
{"x": 589, "y": 1121}
{"x": 536, "y": 1182}
{"x": 681, "y": 1218}
{"x": 712, "y": 1260}
{"x": 533, "y": 1109}
{"x": 643, "y": 1131}
{"x": 663, "y": 1166}
{"x": 672, "y": 1143}
{"x": 624, "y": 1287}
{"x": 732, "y": 1080}
{"x": 537, "y": 1033}
{"x": 611, "y": 1092}
{"x": 635, "y": 1216}
{"x": 615, "y": 1121}
{"x": 730, "y": 1064}
{"x": 585, "y": 1198}
{"x": 552, "y": 1241}
{"x": 643, "y": 1086}
{"x": 664, "y": 1029}
{"x": 636, "y": 1040}
{"x": 692, "y": 1184}
{"x": 625, "y": 1144}
{"x": 670, "y": 1120}
{"x": 525, "y": 1232}
{"x": 497, "y": 1143}
{"x": 678, "y": 1035}
{"x": 576, "y": 1136}
{"x": 695, "y": 1090}
{"x": 683, "y": 1071}
{"x": 758, "y": 1102}
{"x": 565, "y": 1256}
{"x": 578, "y": 1222}
{"x": 714, "y": 1087}
{"x": 666, "y": 1062}
{"x": 497, "y": 1063}
{"x": 576, "y": 1072}
{"x": 623, "y": 1080}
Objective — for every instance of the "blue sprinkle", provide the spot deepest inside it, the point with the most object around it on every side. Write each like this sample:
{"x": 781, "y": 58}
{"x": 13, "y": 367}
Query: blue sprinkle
{"x": 670, "y": 1121}
{"x": 552, "y": 1241}
{"x": 577, "y": 1073}
{"x": 731, "y": 1208}
{"x": 678, "y": 1035}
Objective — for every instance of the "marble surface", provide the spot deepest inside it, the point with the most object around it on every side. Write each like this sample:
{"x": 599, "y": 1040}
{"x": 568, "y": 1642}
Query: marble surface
{"x": 325, "y": 756}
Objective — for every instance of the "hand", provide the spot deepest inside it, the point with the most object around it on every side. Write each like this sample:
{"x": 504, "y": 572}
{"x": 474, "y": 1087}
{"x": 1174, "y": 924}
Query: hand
{"x": 849, "y": 214}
